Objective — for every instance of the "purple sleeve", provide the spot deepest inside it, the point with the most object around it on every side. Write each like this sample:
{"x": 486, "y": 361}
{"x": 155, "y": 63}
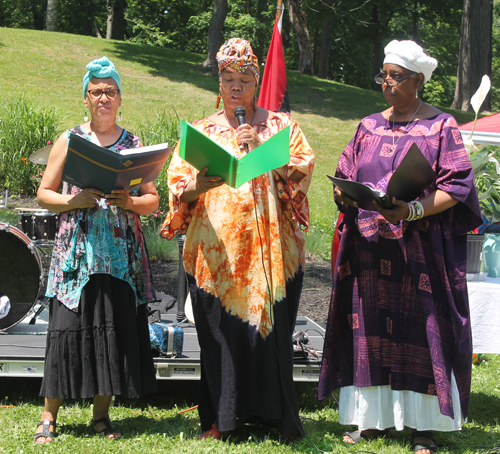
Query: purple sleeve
{"x": 456, "y": 178}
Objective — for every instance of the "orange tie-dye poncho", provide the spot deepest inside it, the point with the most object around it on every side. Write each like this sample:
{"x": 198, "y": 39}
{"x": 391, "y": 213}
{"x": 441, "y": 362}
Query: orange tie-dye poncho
{"x": 232, "y": 235}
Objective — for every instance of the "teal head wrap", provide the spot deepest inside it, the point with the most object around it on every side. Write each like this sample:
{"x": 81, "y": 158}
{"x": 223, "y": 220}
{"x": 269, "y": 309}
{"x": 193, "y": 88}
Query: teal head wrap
{"x": 100, "y": 68}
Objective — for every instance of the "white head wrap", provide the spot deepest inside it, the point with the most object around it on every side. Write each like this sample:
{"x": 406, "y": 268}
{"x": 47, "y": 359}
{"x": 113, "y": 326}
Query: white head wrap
{"x": 410, "y": 55}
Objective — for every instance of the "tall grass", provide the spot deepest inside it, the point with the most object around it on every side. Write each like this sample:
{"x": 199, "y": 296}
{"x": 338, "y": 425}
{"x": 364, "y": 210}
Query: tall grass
{"x": 318, "y": 245}
{"x": 24, "y": 129}
{"x": 164, "y": 128}
{"x": 8, "y": 216}
{"x": 158, "y": 247}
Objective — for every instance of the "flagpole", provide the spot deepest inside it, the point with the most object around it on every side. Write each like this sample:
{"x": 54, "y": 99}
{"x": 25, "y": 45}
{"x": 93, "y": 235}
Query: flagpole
{"x": 280, "y": 9}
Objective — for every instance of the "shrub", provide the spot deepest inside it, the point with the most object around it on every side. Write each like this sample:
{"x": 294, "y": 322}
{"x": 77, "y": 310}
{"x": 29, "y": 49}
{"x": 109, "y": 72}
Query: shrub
{"x": 439, "y": 91}
{"x": 23, "y": 130}
{"x": 158, "y": 248}
{"x": 319, "y": 239}
{"x": 165, "y": 128}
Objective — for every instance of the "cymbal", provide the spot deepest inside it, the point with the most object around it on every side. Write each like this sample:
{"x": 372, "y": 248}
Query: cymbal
{"x": 41, "y": 156}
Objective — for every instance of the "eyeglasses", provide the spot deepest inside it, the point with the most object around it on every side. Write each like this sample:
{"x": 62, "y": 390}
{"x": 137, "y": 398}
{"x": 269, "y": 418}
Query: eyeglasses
{"x": 96, "y": 93}
{"x": 380, "y": 79}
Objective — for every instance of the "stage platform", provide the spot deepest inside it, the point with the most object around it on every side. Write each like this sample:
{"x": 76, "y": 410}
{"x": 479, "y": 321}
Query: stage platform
{"x": 22, "y": 350}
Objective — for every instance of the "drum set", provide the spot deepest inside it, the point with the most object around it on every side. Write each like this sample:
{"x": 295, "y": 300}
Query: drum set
{"x": 22, "y": 274}
{"x": 23, "y": 250}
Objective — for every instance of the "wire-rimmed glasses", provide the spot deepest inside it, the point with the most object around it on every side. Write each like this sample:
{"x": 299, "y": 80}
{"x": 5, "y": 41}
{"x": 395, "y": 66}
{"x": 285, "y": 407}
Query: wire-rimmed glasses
{"x": 380, "y": 79}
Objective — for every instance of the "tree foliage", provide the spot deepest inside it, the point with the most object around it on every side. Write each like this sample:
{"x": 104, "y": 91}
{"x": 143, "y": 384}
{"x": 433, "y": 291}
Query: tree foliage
{"x": 344, "y": 40}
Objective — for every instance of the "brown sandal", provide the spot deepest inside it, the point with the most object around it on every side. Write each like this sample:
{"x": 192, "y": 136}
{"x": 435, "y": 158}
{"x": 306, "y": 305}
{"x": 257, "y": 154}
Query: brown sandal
{"x": 432, "y": 447}
{"x": 108, "y": 429}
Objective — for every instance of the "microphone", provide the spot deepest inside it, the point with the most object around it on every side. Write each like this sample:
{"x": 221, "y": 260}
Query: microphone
{"x": 240, "y": 113}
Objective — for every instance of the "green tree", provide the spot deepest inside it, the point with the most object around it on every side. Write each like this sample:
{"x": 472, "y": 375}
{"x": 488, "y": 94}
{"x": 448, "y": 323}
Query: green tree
{"x": 23, "y": 14}
{"x": 475, "y": 53}
{"x": 115, "y": 27}
{"x": 215, "y": 28}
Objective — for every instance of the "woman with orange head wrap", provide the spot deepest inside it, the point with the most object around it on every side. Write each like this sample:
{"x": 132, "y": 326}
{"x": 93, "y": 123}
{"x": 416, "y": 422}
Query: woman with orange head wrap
{"x": 244, "y": 257}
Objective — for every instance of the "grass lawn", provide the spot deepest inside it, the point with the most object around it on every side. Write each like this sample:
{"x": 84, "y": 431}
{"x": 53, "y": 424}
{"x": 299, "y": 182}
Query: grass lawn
{"x": 156, "y": 424}
{"x": 48, "y": 69}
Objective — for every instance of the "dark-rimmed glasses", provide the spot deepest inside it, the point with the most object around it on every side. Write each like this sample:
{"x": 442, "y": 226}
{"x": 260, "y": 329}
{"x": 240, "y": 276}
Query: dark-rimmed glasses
{"x": 380, "y": 79}
{"x": 96, "y": 93}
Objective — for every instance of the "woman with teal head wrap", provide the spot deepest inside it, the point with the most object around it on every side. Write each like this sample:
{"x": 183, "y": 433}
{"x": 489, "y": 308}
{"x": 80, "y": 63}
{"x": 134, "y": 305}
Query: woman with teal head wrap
{"x": 99, "y": 281}
{"x": 101, "y": 68}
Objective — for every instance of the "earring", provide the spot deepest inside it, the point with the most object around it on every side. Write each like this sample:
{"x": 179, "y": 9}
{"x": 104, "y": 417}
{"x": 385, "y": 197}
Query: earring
{"x": 416, "y": 93}
{"x": 217, "y": 102}
{"x": 254, "y": 103}
{"x": 85, "y": 118}
{"x": 120, "y": 117}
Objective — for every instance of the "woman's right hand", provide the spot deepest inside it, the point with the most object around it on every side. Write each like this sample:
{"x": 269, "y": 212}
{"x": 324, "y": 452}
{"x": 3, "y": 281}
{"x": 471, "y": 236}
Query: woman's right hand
{"x": 343, "y": 199}
{"x": 202, "y": 184}
{"x": 86, "y": 198}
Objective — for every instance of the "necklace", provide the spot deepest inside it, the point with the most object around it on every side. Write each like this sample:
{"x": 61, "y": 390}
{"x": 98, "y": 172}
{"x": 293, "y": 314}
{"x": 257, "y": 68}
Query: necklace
{"x": 394, "y": 143}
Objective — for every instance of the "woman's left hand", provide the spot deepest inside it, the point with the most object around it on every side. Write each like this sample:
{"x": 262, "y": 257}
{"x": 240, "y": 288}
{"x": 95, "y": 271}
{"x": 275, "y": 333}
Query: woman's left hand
{"x": 399, "y": 212}
{"x": 119, "y": 198}
{"x": 246, "y": 134}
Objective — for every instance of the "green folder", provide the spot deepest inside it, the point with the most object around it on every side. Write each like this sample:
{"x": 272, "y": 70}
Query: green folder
{"x": 201, "y": 151}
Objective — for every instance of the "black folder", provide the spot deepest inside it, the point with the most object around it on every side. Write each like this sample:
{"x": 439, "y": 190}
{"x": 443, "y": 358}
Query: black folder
{"x": 413, "y": 175}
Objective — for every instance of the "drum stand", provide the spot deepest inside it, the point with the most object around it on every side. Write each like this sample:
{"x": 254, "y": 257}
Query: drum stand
{"x": 44, "y": 304}
{"x": 40, "y": 226}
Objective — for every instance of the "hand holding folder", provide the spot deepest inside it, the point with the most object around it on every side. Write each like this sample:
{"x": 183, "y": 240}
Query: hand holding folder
{"x": 413, "y": 175}
{"x": 201, "y": 151}
{"x": 90, "y": 166}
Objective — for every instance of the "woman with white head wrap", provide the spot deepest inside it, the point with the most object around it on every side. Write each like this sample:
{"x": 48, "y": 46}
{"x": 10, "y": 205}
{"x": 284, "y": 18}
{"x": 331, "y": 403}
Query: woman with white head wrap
{"x": 409, "y": 55}
{"x": 398, "y": 342}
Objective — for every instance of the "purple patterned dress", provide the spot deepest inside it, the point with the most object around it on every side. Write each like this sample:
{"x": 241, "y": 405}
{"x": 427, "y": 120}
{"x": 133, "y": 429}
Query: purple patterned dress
{"x": 399, "y": 312}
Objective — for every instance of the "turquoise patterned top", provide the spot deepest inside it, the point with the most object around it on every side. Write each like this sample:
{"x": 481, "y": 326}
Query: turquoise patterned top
{"x": 100, "y": 240}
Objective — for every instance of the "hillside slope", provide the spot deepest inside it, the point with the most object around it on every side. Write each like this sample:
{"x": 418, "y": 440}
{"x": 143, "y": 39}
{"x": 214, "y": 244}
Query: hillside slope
{"x": 48, "y": 69}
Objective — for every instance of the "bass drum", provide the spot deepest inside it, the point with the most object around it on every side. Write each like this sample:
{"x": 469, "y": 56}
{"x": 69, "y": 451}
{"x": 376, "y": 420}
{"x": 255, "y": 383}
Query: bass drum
{"x": 20, "y": 273}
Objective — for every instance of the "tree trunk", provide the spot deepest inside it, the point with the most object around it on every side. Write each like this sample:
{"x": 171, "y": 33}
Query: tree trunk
{"x": 299, "y": 24}
{"x": 115, "y": 28}
{"x": 377, "y": 47}
{"x": 415, "y": 19}
{"x": 325, "y": 47}
{"x": 475, "y": 54}
{"x": 52, "y": 15}
{"x": 215, "y": 34}
{"x": 96, "y": 29}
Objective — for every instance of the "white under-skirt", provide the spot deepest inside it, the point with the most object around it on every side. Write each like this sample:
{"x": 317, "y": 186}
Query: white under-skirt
{"x": 380, "y": 407}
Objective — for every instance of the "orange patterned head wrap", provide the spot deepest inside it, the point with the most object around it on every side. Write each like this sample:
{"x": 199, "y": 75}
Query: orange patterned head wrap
{"x": 236, "y": 55}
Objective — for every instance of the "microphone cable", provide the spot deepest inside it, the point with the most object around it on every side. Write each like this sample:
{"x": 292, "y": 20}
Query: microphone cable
{"x": 271, "y": 314}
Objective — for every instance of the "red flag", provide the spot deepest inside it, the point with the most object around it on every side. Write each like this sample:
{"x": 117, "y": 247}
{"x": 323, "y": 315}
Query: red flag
{"x": 336, "y": 243}
{"x": 273, "y": 89}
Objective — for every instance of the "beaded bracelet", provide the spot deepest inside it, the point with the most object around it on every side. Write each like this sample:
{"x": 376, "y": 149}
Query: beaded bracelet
{"x": 416, "y": 211}
{"x": 411, "y": 212}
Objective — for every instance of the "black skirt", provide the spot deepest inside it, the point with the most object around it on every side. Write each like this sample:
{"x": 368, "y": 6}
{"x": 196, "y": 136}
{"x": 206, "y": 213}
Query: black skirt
{"x": 103, "y": 348}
